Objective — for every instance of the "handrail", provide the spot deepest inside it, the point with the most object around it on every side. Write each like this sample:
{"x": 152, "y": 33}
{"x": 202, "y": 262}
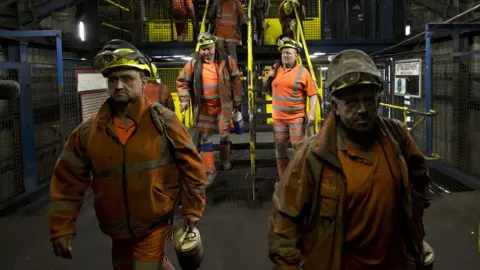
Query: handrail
{"x": 251, "y": 97}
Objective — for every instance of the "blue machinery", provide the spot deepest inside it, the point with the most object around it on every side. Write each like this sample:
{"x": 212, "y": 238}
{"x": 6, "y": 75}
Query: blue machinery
{"x": 18, "y": 60}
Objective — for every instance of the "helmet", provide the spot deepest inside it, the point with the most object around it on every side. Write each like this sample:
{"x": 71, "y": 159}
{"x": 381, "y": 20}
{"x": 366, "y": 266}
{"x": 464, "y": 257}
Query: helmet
{"x": 352, "y": 67}
{"x": 288, "y": 43}
{"x": 116, "y": 44}
{"x": 153, "y": 72}
{"x": 206, "y": 38}
{"x": 124, "y": 57}
{"x": 288, "y": 6}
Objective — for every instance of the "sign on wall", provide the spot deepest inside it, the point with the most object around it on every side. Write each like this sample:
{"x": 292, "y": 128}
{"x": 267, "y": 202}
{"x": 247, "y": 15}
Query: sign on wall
{"x": 408, "y": 78}
{"x": 92, "y": 90}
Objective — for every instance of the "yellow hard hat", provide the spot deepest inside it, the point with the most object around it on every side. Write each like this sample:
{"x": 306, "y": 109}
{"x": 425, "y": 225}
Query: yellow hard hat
{"x": 288, "y": 43}
{"x": 288, "y": 6}
{"x": 206, "y": 38}
{"x": 125, "y": 57}
{"x": 153, "y": 72}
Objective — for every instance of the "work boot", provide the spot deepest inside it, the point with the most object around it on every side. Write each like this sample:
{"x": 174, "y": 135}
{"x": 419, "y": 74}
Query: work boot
{"x": 225, "y": 155}
{"x": 209, "y": 162}
{"x": 211, "y": 179}
{"x": 282, "y": 164}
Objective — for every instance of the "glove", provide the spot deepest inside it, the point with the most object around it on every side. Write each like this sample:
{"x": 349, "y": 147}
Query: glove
{"x": 62, "y": 246}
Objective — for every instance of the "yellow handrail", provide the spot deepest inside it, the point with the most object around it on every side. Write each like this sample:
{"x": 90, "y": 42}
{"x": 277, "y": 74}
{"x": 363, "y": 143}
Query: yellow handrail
{"x": 251, "y": 96}
{"x": 309, "y": 62}
{"x": 404, "y": 110}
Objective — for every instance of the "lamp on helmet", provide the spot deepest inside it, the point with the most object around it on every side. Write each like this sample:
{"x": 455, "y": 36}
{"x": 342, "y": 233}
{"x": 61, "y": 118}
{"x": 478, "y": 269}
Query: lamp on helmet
{"x": 206, "y": 39}
{"x": 125, "y": 57}
{"x": 288, "y": 43}
{"x": 352, "y": 67}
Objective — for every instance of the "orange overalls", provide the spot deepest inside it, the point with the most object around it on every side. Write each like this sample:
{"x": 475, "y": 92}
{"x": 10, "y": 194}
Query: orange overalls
{"x": 182, "y": 10}
{"x": 159, "y": 92}
{"x": 229, "y": 16}
{"x": 290, "y": 89}
{"x": 149, "y": 249}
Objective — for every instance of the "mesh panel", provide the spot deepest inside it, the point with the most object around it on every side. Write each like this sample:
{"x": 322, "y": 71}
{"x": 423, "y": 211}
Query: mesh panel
{"x": 72, "y": 107}
{"x": 455, "y": 129}
{"x": 169, "y": 77}
{"x": 46, "y": 118}
{"x": 11, "y": 164}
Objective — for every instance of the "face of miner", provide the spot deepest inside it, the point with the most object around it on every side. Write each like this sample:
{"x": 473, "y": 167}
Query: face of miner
{"x": 207, "y": 52}
{"x": 357, "y": 106}
{"x": 289, "y": 56}
{"x": 126, "y": 85}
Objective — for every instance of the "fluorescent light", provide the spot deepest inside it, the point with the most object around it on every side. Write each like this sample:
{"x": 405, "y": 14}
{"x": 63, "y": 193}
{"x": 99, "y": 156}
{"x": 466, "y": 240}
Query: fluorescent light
{"x": 324, "y": 68}
{"x": 187, "y": 58}
{"x": 81, "y": 31}
{"x": 313, "y": 56}
{"x": 319, "y": 53}
{"x": 178, "y": 56}
{"x": 407, "y": 30}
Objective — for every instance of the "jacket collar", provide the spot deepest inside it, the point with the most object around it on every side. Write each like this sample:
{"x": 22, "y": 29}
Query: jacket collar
{"x": 136, "y": 113}
{"x": 329, "y": 140}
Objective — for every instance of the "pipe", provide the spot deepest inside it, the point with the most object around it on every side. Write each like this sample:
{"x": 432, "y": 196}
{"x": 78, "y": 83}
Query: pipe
{"x": 423, "y": 33}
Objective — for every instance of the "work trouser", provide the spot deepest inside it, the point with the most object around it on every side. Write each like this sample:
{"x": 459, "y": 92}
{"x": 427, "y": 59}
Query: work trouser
{"x": 208, "y": 119}
{"x": 284, "y": 131}
{"x": 257, "y": 24}
{"x": 228, "y": 46}
{"x": 181, "y": 24}
{"x": 146, "y": 253}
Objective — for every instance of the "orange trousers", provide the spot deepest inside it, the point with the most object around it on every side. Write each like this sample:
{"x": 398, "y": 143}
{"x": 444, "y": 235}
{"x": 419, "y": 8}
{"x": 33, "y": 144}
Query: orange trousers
{"x": 147, "y": 253}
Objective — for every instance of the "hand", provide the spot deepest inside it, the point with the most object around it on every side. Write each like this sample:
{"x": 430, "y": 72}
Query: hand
{"x": 190, "y": 221}
{"x": 62, "y": 246}
{"x": 272, "y": 73}
{"x": 183, "y": 106}
{"x": 310, "y": 119}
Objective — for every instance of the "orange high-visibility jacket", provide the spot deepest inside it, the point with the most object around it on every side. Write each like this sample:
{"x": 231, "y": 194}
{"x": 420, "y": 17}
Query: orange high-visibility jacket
{"x": 184, "y": 7}
{"x": 136, "y": 185}
{"x": 229, "y": 16}
{"x": 159, "y": 92}
{"x": 189, "y": 83}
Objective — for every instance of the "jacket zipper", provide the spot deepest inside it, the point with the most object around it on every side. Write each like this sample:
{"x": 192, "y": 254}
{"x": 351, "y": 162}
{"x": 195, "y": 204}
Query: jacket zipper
{"x": 125, "y": 185}
{"x": 125, "y": 188}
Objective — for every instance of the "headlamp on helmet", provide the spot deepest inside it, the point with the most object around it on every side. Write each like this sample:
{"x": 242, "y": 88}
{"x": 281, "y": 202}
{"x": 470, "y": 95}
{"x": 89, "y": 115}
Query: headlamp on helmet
{"x": 288, "y": 43}
{"x": 124, "y": 57}
{"x": 206, "y": 39}
{"x": 355, "y": 78}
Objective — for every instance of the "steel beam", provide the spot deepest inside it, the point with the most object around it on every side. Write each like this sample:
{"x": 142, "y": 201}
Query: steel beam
{"x": 437, "y": 6}
{"x": 28, "y": 33}
{"x": 27, "y": 131}
{"x": 30, "y": 18}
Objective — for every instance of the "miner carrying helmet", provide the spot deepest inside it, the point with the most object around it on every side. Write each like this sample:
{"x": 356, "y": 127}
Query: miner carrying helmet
{"x": 353, "y": 195}
{"x": 139, "y": 160}
{"x": 289, "y": 84}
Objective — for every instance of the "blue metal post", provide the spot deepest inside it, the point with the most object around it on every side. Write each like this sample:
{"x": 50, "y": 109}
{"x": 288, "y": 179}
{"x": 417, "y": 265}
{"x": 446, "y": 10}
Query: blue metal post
{"x": 61, "y": 94}
{"x": 428, "y": 90}
{"x": 27, "y": 129}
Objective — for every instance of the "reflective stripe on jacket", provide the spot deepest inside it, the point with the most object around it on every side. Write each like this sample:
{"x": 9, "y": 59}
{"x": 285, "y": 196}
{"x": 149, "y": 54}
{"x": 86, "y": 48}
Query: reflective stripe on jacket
{"x": 189, "y": 83}
{"x": 136, "y": 185}
{"x": 307, "y": 222}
